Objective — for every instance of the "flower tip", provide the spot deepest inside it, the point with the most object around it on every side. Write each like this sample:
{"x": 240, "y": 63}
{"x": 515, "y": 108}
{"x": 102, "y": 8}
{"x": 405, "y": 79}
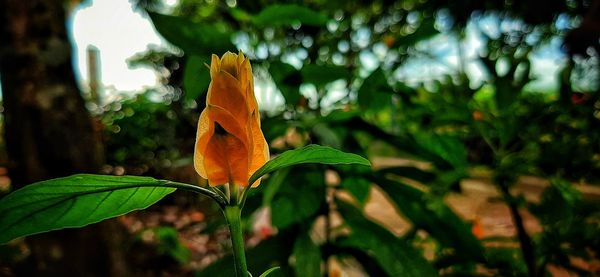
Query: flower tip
{"x": 229, "y": 64}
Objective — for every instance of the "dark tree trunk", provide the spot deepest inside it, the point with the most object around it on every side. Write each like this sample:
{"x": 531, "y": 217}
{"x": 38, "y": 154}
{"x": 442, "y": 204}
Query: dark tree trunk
{"x": 49, "y": 132}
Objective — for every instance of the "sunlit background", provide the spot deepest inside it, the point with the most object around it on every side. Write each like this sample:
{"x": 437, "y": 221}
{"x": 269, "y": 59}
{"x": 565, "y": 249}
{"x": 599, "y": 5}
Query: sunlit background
{"x": 112, "y": 24}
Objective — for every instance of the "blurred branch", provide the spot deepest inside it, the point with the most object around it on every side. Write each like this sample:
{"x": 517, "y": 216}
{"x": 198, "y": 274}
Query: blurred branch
{"x": 526, "y": 244}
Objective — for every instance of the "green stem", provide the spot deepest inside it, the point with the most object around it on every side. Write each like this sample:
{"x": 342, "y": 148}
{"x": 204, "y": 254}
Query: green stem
{"x": 233, "y": 216}
{"x": 197, "y": 189}
{"x": 244, "y": 193}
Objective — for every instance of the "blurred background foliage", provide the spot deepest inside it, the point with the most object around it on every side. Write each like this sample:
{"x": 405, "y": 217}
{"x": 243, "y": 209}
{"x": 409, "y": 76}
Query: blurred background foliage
{"x": 333, "y": 73}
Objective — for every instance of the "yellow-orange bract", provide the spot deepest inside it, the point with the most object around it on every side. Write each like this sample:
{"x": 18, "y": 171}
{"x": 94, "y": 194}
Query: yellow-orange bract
{"x": 230, "y": 145}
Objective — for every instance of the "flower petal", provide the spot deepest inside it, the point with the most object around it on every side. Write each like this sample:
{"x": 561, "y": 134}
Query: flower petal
{"x": 247, "y": 86}
{"x": 224, "y": 91}
{"x": 202, "y": 137}
{"x": 229, "y": 64}
{"x": 226, "y": 161}
{"x": 260, "y": 149}
{"x": 215, "y": 65}
{"x": 228, "y": 122}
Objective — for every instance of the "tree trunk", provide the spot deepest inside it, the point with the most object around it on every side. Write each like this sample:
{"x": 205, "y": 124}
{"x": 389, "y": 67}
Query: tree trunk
{"x": 48, "y": 131}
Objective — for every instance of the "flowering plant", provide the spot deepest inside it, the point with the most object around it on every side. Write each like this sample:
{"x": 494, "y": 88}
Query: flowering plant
{"x": 230, "y": 150}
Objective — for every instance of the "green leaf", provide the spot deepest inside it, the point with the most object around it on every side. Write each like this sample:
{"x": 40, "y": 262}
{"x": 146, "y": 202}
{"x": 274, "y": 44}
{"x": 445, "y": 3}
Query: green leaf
{"x": 362, "y": 256}
{"x": 240, "y": 15}
{"x": 288, "y": 81}
{"x": 341, "y": 116}
{"x": 567, "y": 191}
{"x": 271, "y": 270}
{"x": 287, "y": 208}
{"x": 405, "y": 143}
{"x": 192, "y": 37}
{"x": 411, "y": 172}
{"x": 282, "y": 15}
{"x": 169, "y": 244}
{"x": 308, "y": 154}
{"x": 435, "y": 217}
{"x": 274, "y": 127}
{"x": 505, "y": 94}
{"x": 326, "y": 135}
{"x": 273, "y": 185}
{"x": 559, "y": 203}
{"x": 447, "y": 150}
{"x": 75, "y": 201}
{"x": 196, "y": 77}
{"x": 393, "y": 254}
{"x": 357, "y": 186}
{"x": 320, "y": 75}
{"x": 508, "y": 261}
{"x": 375, "y": 92}
{"x": 308, "y": 256}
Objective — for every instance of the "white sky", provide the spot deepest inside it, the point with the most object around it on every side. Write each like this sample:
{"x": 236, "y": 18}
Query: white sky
{"x": 119, "y": 33}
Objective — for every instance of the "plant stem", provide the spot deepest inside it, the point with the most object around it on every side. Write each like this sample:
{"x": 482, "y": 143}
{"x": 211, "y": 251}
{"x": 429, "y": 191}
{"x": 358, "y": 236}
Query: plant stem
{"x": 234, "y": 221}
{"x": 197, "y": 189}
{"x": 524, "y": 239}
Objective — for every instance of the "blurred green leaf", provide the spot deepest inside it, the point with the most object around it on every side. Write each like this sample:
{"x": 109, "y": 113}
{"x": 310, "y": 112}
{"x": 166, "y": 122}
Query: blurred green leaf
{"x": 308, "y": 154}
{"x": 196, "y": 77}
{"x": 320, "y": 75}
{"x": 411, "y": 172}
{"x": 340, "y": 116}
{"x": 435, "y": 217}
{"x": 240, "y": 15}
{"x": 559, "y": 203}
{"x": 308, "y": 256}
{"x": 288, "y": 80}
{"x": 446, "y": 147}
{"x": 505, "y": 94}
{"x": 273, "y": 184}
{"x": 375, "y": 92}
{"x": 326, "y": 135}
{"x": 169, "y": 244}
{"x": 363, "y": 256}
{"x": 75, "y": 201}
{"x": 509, "y": 261}
{"x": 567, "y": 191}
{"x": 358, "y": 187}
{"x": 394, "y": 254}
{"x": 299, "y": 198}
{"x": 287, "y": 15}
{"x": 507, "y": 128}
{"x": 419, "y": 146}
{"x": 274, "y": 127}
{"x": 192, "y": 37}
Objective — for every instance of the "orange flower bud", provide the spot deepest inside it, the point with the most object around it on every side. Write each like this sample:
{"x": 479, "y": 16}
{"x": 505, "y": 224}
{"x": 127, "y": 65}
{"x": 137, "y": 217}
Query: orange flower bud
{"x": 230, "y": 145}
